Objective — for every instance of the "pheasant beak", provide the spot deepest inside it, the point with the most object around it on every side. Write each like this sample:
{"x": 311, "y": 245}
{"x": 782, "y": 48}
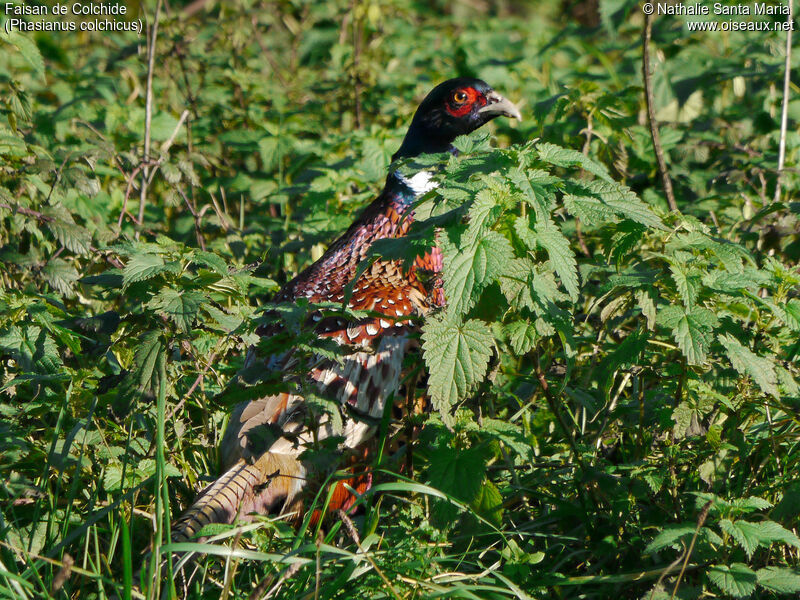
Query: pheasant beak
{"x": 497, "y": 105}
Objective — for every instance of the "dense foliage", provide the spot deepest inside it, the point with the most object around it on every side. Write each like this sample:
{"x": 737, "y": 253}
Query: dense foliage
{"x": 614, "y": 384}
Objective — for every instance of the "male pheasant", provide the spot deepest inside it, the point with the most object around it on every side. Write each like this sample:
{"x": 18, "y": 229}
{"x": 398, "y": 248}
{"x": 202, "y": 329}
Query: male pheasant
{"x": 262, "y": 450}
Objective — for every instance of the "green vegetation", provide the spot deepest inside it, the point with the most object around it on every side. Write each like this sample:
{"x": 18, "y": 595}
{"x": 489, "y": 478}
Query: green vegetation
{"x": 614, "y": 384}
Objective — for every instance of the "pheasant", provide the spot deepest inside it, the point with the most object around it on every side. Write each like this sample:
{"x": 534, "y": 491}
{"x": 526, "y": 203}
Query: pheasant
{"x": 263, "y": 448}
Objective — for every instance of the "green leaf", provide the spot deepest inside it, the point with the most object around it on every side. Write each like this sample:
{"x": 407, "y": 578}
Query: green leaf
{"x": 141, "y": 267}
{"x": 61, "y": 276}
{"x": 32, "y": 347}
{"x": 746, "y": 534}
{"x": 522, "y": 336}
{"x": 592, "y": 211}
{"x": 489, "y": 503}
{"x": 467, "y": 271}
{"x": 619, "y": 198}
{"x": 781, "y": 580}
{"x": 669, "y": 536}
{"x": 180, "y": 307}
{"x": 516, "y": 283}
{"x": 770, "y": 531}
{"x": 27, "y": 47}
{"x": 148, "y": 360}
{"x": 691, "y": 329}
{"x": 746, "y": 362}
{"x": 212, "y": 261}
{"x": 687, "y": 281}
{"x": 562, "y": 258}
{"x": 738, "y": 580}
{"x": 566, "y": 157}
{"x": 457, "y": 355}
{"x": 72, "y": 236}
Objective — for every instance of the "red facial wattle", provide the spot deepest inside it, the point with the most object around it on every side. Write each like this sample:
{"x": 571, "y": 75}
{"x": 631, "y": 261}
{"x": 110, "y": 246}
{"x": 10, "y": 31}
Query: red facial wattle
{"x": 460, "y": 109}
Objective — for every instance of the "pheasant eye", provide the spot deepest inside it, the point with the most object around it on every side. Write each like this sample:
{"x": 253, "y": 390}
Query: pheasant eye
{"x": 460, "y": 97}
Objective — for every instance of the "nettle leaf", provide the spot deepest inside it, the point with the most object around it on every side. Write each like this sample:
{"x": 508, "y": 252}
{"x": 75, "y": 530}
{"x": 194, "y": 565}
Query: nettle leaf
{"x": 515, "y": 283}
{"x": 61, "y": 276}
{"x": 691, "y": 329}
{"x": 541, "y": 198}
{"x": 747, "y": 535}
{"x": 781, "y": 580}
{"x": 738, "y": 580}
{"x": 148, "y": 364}
{"x": 619, "y": 198}
{"x": 671, "y": 535}
{"x": 489, "y": 503}
{"x": 508, "y": 433}
{"x": 546, "y": 235}
{"x": 141, "y": 267}
{"x": 181, "y": 307}
{"x": 566, "y": 157}
{"x": 458, "y": 472}
{"x": 467, "y": 271}
{"x": 522, "y": 336}
{"x": 770, "y": 531}
{"x": 212, "y": 261}
{"x": 561, "y": 256}
{"x": 29, "y": 50}
{"x": 746, "y": 362}
{"x": 688, "y": 282}
{"x": 32, "y": 347}
{"x": 457, "y": 355}
{"x": 592, "y": 211}
{"x": 71, "y": 236}
{"x": 485, "y": 210}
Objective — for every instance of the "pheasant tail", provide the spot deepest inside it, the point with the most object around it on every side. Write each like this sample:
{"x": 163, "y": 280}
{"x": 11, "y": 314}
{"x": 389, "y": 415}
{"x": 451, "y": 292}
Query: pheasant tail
{"x": 271, "y": 484}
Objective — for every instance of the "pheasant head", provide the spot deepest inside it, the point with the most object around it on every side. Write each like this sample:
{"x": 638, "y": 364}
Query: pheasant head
{"x": 453, "y": 108}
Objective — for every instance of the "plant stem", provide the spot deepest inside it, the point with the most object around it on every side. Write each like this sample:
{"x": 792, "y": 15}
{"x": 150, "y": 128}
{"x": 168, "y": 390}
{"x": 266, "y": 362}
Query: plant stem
{"x": 785, "y": 103}
{"x": 651, "y": 113}
{"x": 148, "y": 112}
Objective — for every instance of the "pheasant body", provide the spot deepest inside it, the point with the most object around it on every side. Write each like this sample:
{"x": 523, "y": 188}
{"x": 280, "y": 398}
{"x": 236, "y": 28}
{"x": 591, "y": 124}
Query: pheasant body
{"x": 265, "y": 470}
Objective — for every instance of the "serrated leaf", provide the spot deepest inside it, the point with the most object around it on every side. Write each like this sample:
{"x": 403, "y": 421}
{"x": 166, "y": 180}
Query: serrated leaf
{"x": 467, "y": 271}
{"x": 29, "y": 50}
{"x": 148, "y": 364}
{"x": 619, "y": 198}
{"x": 562, "y": 258}
{"x": 746, "y": 534}
{"x": 72, "y": 236}
{"x": 61, "y": 276}
{"x": 181, "y": 307}
{"x": 688, "y": 283}
{"x": 770, "y": 531}
{"x": 226, "y": 321}
{"x": 566, "y": 157}
{"x": 747, "y": 363}
{"x": 458, "y": 472}
{"x": 211, "y": 260}
{"x": 669, "y": 536}
{"x": 690, "y": 329}
{"x": 777, "y": 579}
{"x": 508, "y": 433}
{"x": 489, "y": 503}
{"x": 457, "y": 355}
{"x": 589, "y": 210}
{"x": 141, "y": 267}
{"x": 171, "y": 173}
{"x": 538, "y": 196}
{"x": 515, "y": 283}
{"x": 738, "y": 580}
{"x": 522, "y": 336}
{"x": 32, "y": 347}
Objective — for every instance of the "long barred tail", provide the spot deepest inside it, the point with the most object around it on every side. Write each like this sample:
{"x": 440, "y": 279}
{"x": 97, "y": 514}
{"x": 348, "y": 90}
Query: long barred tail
{"x": 269, "y": 485}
